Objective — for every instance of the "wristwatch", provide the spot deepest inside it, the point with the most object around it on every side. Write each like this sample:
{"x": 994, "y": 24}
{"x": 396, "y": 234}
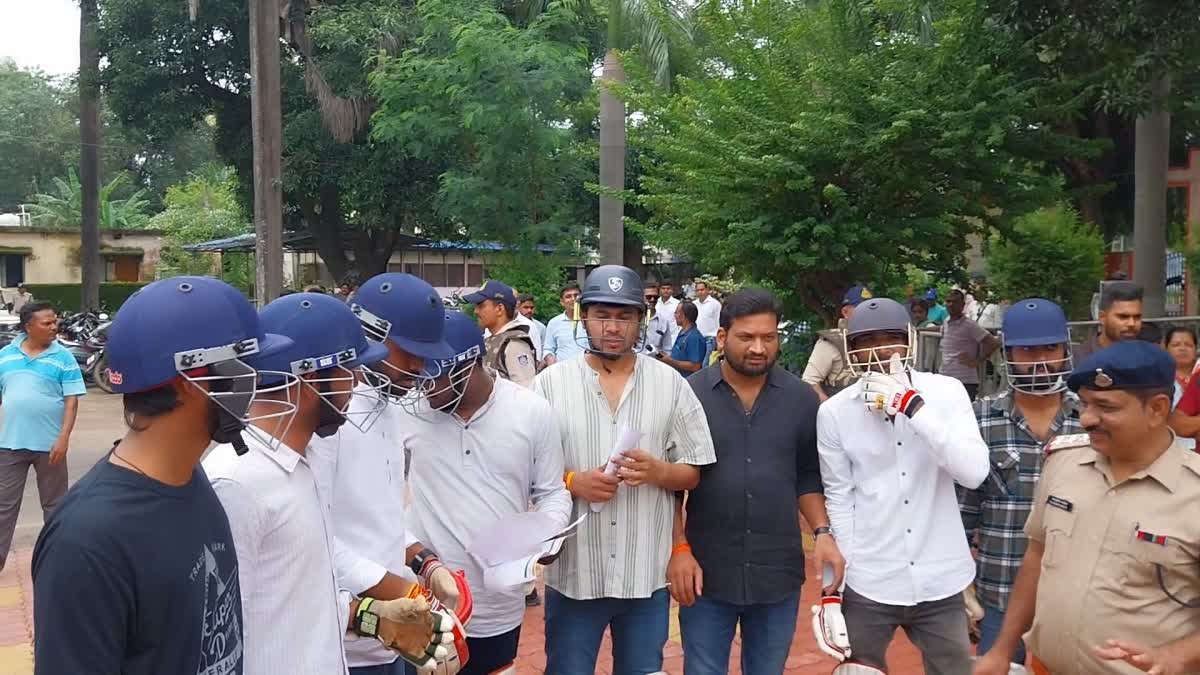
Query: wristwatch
{"x": 366, "y": 622}
{"x": 824, "y": 529}
{"x": 422, "y": 558}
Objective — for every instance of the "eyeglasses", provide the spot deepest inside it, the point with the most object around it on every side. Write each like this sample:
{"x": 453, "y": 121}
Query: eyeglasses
{"x": 651, "y": 297}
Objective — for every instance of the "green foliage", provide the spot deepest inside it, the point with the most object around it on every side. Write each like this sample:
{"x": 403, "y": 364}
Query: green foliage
{"x": 201, "y": 209}
{"x": 530, "y": 272}
{"x": 1050, "y": 254}
{"x": 494, "y": 97}
{"x": 822, "y": 146}
{"x": 38, "y": 140}
{"x": 66, "y": 297}
{"x": 64, "y": 206}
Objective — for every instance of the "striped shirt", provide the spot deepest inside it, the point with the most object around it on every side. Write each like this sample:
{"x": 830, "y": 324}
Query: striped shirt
{"x": 997, "y": 510}
{"x": 622, "y": 551}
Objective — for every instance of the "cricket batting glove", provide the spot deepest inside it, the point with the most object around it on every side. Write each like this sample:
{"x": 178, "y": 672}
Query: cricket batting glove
{"x": 409, "y": 626}
{"x": 450, "y": 588}
{"x": 457, "y": 654}
{"x": 890, "y": 395}
{"x": 829, "y": 627}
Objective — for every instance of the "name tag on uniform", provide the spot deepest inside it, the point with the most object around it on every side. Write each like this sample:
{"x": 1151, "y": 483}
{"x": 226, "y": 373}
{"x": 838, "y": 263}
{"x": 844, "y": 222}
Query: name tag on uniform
{"x": 1060, "y": 503}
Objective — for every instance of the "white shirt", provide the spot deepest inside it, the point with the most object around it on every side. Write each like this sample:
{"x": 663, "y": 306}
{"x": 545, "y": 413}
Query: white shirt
{"x": 293, "y": 613}
{"x": 666, "y": 309}
{"x": 622, "y": 551}
{"x": 361, "y": 475}
{"x": 472, "y": 474}
{"x": 889, "y": 490}
{"x": 708, "y": 318}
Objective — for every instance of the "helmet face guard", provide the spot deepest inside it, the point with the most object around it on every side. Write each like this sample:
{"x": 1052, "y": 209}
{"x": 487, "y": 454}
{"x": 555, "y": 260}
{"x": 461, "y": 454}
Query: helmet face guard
{"x": 458, "y": 372}
{"x": 861, "y": 361}
{"x": 591, "y": 346}
{"x": 1039, "y": 378}
{"x": 362, "y": 389}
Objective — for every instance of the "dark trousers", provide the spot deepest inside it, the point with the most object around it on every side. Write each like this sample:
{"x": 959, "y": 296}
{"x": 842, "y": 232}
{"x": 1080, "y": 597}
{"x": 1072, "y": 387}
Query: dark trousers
{"x": 937, "y": 628}
{"x": 708, "y": 627}
{"x": 972, "y": 390}
{"x": 14, "y": 470}
{"x": 574, "y": 629}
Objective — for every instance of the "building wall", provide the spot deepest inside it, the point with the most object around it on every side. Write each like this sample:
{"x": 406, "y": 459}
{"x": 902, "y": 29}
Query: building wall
{"x": 55, "y": 254}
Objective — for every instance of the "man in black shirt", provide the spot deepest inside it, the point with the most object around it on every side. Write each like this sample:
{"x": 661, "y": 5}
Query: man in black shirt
{"x": 738, "y": 557}
{"x": 135, "y": 572}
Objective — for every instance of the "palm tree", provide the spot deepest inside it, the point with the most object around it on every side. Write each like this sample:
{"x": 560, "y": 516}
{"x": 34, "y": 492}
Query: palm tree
{"x": 63, "y": 207}
{"x": 652, "y": 25}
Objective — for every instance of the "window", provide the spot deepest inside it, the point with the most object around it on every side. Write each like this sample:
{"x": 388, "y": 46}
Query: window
{"x": 454, "y": 275}
{"x": 474, "y": 275}
{"x": 13, "y": 268}
{"x": 434, "y": 273}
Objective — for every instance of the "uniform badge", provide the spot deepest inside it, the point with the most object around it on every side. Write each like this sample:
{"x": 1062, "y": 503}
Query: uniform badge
{"x": 1102, "y": 379}
{"x": 523, "y": 360}
{"x": 1060, "y": 503}
{"x": 1066, "y": 441}
{"x": 1143, "y": 535}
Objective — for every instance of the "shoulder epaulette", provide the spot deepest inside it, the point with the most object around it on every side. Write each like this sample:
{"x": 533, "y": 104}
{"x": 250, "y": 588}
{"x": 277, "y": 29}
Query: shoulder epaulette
{"x": 1066, "y": 442}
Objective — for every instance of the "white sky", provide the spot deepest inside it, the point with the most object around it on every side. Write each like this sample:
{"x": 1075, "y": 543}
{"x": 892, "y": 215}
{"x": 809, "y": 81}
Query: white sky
{"x": 41, "y": 34}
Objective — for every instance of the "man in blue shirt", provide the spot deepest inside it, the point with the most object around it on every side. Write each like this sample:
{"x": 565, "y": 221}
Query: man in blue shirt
{"x": 560, "y": 342}
{"x": 687, "y": 356}
{"x": 40, "y": 386}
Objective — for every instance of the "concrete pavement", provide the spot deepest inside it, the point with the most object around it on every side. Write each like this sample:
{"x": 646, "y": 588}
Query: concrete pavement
{"x": 100, "y": 423}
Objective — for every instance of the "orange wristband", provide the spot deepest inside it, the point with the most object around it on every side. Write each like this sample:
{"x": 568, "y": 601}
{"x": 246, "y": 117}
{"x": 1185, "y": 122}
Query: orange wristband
{"x": 680, "y": 548}
{"x": 567, "y": 478}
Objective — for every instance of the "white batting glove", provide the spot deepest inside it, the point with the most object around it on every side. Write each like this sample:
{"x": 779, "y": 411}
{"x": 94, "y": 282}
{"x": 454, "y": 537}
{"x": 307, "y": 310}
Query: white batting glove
{"x": 890, "y": 395}
{"x": 440, "y": 580}
{"x": 829, "y": 627}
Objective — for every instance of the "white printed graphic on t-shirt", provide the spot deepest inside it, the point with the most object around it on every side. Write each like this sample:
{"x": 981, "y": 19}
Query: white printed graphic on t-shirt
{"x": 221, "y": 643}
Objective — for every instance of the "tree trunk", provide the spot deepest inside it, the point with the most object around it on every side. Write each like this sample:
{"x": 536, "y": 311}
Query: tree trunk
{"x": 267, "y": 131}
{"x": 89, "y": 160}
{"x": 612, "y": 162}
{"x": 1150, "y": 199}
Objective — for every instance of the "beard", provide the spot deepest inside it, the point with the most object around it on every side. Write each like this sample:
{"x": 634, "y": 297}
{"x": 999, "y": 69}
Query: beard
{"x": 741, "y": 367}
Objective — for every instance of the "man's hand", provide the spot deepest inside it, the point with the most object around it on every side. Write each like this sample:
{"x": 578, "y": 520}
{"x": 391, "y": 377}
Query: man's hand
{"x": 58, "y": 451}
{"x": 826, "y": 552}
{"x": 639, "y": 467}
{"x": 594, "y": 486}
{"x": 991, "y": 663}
{"x": 685, "y": 578}
{"x": 1157, "y": 661}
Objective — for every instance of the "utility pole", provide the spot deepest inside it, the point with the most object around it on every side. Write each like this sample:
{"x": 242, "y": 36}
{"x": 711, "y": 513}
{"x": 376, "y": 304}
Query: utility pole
{"x": 266, "y": 130}
{"x": 1150, "y": 160}
{"x": 89, "y": 156}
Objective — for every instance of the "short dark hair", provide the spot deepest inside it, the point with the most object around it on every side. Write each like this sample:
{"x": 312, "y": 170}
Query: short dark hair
{"x": 1144, "y": 395}
{"x": 1172, "y": 330}
{"x": 919, "y": 302}
{"x": 689, "y": 310}
{"x": 30, "y": 309}
{"x": 666, "y": 282}
{"x": 748, "y": 302}
{"x": 957, "y": 291}
{"x": 524, "y": 298}
{"x": 1151, "y": 332}
{"x": 1119, "y": 291}
{"x": 148, "y": 404}
{"x": 568, "y": 287}
{"x": 510, "y": 308}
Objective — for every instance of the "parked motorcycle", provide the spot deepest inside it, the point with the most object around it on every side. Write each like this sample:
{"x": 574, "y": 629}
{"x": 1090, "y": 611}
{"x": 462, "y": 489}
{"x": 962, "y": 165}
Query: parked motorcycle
{"x": 97, "y": 362}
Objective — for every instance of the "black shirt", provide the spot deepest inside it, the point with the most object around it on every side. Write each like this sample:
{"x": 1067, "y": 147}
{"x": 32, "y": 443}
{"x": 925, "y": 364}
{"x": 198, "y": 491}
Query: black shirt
{"x": 743, "y": 519}
{"x": 136, "y": 577}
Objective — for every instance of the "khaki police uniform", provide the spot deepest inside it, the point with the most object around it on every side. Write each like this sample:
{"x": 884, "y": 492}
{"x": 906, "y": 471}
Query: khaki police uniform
{"x": 1104, "y": 544}
{"x": 827, "y": 363}
{"x": 512, "y": 354}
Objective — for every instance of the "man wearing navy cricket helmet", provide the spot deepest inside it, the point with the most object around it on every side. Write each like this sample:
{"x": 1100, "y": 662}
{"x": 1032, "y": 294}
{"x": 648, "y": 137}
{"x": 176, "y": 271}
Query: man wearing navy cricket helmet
{"x": 136, "y": 571}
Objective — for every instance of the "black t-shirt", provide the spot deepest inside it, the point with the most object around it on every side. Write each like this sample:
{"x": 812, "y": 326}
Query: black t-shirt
{"x": 132, "y": 576}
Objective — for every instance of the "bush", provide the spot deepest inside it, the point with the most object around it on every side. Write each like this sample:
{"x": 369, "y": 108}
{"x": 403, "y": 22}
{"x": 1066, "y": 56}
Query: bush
{"x": 1049, "y": 254}
{"x": 67, "y": 297}
{"x": 541, "y": 275}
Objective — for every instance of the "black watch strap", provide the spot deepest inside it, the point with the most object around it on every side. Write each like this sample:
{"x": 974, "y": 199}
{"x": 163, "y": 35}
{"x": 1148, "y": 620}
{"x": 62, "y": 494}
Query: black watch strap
{"x": 420, "y": 559}
{"x": 824, "y": 529}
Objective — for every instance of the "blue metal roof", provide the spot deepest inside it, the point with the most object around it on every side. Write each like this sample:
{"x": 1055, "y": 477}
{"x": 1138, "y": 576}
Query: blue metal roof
{"x": 302, "y": 241}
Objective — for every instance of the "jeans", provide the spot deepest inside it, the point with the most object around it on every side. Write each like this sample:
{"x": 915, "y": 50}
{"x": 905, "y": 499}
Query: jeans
{"x": 938, "y": 628}
{"x": 397, "y": 667}
{"x": 708, "y": 626}
{"x": 574, "y": 629}
{"x": 989, "y": 630}
{"x": 710, "y": 346}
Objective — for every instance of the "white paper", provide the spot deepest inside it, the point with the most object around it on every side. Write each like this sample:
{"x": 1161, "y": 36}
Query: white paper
{"x": 512, "y": 537}
{"x": 627, "y": 440}
{"x": 520, "y": 571}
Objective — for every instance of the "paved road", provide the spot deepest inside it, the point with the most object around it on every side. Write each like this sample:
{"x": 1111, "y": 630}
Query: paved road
{"x": 100, "y": 423}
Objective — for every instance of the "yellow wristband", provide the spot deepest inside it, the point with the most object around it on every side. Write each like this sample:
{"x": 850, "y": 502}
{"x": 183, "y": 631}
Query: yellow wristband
{"x": 570, "y": 476}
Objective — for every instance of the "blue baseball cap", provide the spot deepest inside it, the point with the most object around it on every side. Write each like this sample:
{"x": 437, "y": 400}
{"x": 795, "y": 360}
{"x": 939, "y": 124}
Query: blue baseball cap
{"x": 493, "y": 290}
{"x": 161, "y": 329}
{"x": 325, "y": 333}
{"x": 410, "y": 310}
{"x": 855, "y": 295}
{"x": 931, "y": 295}
{"x": 1034, "y": 322}
{"x": 1131, "y": 364}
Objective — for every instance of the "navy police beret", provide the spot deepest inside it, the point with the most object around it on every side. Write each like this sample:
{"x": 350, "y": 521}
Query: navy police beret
{"x": 1132, "y": 364}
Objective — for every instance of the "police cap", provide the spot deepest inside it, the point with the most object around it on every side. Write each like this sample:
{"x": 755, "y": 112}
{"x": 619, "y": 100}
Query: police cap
{"x": 1131, "y": 364}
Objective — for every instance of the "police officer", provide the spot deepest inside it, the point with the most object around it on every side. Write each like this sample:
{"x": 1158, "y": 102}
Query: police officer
{"x": 1114, "y": 542}
{"x": 510, "y": 348}
{"x": 826, "y": 370}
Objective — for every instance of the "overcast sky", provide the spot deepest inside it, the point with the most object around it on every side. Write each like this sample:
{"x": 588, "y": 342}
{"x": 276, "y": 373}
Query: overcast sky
{"x": 41, "y": 34}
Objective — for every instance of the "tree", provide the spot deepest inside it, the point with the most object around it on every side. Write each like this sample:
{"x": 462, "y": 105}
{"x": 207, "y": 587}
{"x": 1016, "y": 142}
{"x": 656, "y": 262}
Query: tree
{"x": 40, "y": 138}
{"x": 89, "y": 165}
{"x": 203, "y": 208}
{"x": 64, "y": 206}
{"x": 1050, "y": 254}
{"x": 822, "y": 147}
